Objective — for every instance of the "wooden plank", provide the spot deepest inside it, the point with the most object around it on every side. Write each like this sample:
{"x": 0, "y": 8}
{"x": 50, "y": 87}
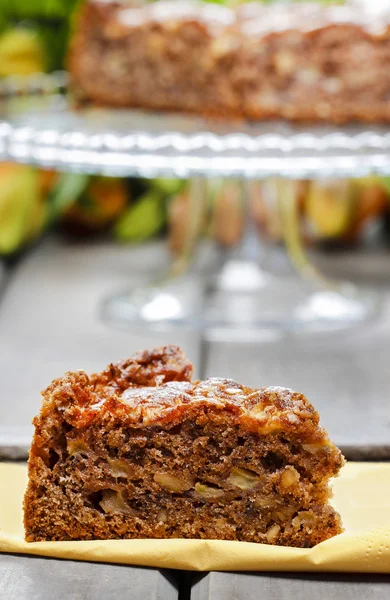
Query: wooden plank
{"x": 346, "y": 376}
{"x": 50, "y": 323}
{"x": 289, "y": 586}
{"x": 33, "y": 578}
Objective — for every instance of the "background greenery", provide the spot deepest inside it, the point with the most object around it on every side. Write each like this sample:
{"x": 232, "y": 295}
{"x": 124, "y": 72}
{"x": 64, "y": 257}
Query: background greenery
{"x": 34, "y": 35}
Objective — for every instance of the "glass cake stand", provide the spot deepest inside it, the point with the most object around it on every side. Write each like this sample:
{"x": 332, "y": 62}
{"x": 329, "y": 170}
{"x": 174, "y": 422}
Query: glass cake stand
{"x": 39, "y": 126}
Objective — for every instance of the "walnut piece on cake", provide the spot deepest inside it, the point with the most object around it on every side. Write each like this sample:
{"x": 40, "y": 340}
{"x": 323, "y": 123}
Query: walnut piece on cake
{"x": 140, "y": 451}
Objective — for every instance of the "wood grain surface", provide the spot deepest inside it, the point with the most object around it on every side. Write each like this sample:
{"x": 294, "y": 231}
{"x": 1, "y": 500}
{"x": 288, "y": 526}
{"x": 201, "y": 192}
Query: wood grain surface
{"x": 34, "y": 578}
{"x": 289, "y": 586}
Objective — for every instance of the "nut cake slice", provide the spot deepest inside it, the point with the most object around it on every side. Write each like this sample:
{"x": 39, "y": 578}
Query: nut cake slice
{"x": 139, "y": 451}
{"x": 300, "y": 61}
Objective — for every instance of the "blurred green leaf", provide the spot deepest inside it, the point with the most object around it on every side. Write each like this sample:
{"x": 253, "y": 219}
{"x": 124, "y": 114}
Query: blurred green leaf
{"x": 386, "y": 183}
{"x": 50, "y": 19}
{"x": 26, "y": 9}
{"x": 67, "y": 190}
{"x": 21, "y": 52}
{"x": 216, "y": 1}
{"x": 19, "y": 193}
{"x": 55, "y": 42}
{"x": 142, "y": 220}
{"x": 168, "y": 187}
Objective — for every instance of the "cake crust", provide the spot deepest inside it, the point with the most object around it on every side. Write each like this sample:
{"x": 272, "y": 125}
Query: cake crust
{"x": 141, "y": 451}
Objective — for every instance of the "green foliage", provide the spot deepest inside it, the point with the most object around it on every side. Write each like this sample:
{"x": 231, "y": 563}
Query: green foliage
{"x": 50, "y": 20}
{"x": 69, "y": 187}
{"x": 55, "y": 42}
{"x": 168, "y": 187}
{"x": 143, "y": 220}
{"x": 386, "y": 184}
{"x": 19, "y": 198}
{"x": 21, "y": 52}
{"x": 37, "y": 9}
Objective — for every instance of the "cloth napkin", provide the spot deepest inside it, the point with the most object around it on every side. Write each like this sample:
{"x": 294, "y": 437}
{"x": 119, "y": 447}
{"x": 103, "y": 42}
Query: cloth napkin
{"x": 361, "y": 495}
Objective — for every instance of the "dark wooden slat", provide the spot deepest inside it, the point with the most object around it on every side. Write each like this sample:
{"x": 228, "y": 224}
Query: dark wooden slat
{"x": 33, "y": 578}
{"x": 243, "y": 586}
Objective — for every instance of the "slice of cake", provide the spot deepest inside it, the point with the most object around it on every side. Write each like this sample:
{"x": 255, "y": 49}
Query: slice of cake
{"x": 139, "y": 451}
{"x": 299, "y": 61}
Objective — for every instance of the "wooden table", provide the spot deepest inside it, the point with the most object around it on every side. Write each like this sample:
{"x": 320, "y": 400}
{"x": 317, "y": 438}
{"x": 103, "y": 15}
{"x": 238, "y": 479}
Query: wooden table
{"x": 49, "y": 323}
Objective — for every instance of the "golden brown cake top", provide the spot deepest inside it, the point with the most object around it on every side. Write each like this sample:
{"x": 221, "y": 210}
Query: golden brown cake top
{"x": 269, "y": 407}
{"x": 154, "y": 389}
{"x": 147, "y": 368}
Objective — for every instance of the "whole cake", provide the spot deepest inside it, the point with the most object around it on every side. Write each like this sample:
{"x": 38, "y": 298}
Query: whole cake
{"x": 139, "y": 451}
{"x": 305, "y": 61}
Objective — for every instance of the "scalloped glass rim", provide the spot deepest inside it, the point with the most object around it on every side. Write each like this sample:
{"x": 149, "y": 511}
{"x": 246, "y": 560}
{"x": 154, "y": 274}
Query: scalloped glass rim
{"x": 39, "y": 126}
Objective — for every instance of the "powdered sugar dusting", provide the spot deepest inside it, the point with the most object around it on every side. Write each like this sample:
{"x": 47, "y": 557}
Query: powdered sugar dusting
{"x": 177, "y": 11}
{"x": 166, "y": 392}
{"x": 271, "y": 407}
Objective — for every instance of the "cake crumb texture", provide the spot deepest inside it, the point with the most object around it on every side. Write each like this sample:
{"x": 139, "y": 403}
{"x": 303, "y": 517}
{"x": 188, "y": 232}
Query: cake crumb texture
{"x": 141, "y": 451}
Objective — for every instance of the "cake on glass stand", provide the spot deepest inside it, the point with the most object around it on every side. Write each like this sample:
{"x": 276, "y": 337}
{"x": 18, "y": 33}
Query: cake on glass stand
{"x": 246, "y": 296}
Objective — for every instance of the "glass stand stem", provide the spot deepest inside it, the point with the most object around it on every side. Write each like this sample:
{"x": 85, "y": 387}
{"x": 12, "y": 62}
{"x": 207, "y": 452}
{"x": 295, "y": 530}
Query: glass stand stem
{"x": 197, "y": 197}
{"x": 245, "y": 300}
{"x": 291, "y": 231}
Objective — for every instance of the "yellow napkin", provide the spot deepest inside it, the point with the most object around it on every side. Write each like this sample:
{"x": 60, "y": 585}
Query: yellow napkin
{"x": 361, "y": 495}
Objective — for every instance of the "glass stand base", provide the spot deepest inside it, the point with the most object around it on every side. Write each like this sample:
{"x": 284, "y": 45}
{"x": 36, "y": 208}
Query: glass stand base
{"x": 241, "y": 302}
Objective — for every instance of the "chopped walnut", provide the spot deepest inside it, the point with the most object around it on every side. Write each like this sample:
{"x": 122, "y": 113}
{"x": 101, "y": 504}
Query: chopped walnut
{"x": 162, "y": 516}
{"x": 303, "y": 518}
{"x": 113, "y": 502}
{"x": 75, "y": 446}
{"x": 173, "y": 483}
{"x": 283, "y": 513}
{"x": 289, "y": 477}
{"x": 272, "y": 533}
{"x": 243, "y": 478}
{"x": 313, "y": 448}
{"x": 263, "y": 502}
{"x": 120, "y": 468}
{"x": 207, "y": 492}
{"x": 285, "y": 62}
